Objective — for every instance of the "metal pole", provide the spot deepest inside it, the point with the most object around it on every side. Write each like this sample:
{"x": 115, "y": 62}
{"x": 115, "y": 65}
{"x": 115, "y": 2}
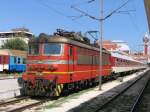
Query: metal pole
{"x": 101, "y": 39}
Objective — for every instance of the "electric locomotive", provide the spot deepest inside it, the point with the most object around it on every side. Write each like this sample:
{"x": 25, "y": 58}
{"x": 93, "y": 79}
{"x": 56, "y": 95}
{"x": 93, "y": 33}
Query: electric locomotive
{"x": 62, "y": 62}
{"x": 67, "y": 61}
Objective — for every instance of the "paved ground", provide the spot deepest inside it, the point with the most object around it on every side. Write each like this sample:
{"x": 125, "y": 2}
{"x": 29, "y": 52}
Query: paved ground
{"x": 8, "y": 88}
{"x": 9, "y": 76}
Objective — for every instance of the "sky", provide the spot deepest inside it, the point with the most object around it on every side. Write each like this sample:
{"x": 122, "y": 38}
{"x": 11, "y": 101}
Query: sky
{"x": 45, "y": 16}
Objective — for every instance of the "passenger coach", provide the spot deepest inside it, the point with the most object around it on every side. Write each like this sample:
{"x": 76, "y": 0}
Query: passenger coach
{"x": 12, "y": 60}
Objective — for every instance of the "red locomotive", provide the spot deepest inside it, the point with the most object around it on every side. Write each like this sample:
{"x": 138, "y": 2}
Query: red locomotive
{"x": 62, "y": 62}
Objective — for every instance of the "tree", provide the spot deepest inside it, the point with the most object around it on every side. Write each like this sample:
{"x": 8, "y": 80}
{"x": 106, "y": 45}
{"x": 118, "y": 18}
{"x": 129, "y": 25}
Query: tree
{"x": 17, "y": 44}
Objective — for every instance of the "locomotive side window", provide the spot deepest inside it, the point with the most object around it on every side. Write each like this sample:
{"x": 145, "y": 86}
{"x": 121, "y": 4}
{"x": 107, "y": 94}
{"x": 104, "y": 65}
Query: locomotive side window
{"x": 105, "y": 59}
{"x": 84, "y": 59}
{"x": 34, "y": 49}
{"x": 52, "y": 49}
{"x": 84, "y": 56}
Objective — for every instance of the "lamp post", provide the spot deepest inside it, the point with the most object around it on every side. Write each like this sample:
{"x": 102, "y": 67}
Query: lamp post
{"x": 101, "y": 46}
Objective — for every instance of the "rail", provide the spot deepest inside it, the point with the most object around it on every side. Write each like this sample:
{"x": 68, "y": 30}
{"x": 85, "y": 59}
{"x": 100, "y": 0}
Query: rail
{"x": 11, "y": 101}
{"x": 139, "y": 96}
{"x": 117, "y": 95}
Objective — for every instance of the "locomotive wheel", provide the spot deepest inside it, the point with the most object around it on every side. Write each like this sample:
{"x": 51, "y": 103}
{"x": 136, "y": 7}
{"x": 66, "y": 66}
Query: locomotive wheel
{"x": 22, "y": 92}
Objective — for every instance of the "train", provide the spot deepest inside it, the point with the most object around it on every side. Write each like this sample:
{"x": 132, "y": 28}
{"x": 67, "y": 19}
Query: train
{"x": 12, "y": 60}
{"x": 66, "y": 61}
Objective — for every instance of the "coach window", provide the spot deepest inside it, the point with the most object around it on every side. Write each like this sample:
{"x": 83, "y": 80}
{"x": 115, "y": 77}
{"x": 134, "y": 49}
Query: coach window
{"x": 18, "y": 60}
{"x": 4, "y": 59}
{"x": 24, "y": 61}
{"x": 15, "y": 60}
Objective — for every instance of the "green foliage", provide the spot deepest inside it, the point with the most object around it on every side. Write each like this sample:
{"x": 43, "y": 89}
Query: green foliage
{"x": 17, "y": 44}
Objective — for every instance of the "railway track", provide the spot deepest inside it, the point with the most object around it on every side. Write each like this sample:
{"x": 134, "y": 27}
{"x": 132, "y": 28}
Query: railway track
{"x": 19, "y": 104}
{"x": 9, "y": 77}
{"x": 124, "y": 100}
{"x": 142, "y": 103}
{"x": 119, "y": 99}
{"x": 13, "y": 100}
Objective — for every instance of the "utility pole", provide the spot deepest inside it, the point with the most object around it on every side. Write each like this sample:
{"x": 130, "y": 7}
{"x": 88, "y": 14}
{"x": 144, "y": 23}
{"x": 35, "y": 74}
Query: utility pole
{"x": 101, "y": 43}
{"x": 101, "y": 29}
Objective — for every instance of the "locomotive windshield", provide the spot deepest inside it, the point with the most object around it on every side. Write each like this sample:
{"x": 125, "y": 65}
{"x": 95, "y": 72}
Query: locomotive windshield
{"x": 52, "y": 49}
{"x": 34, "y": 49}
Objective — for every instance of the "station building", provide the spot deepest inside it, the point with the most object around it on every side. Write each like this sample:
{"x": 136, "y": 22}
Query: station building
{"x": 121, "y": 46}
{"x": 21, "y": 33}
{"x": 116, "y": 45}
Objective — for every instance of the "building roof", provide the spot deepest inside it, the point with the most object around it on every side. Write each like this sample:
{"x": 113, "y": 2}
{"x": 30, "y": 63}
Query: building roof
{"x": 13, "y": 52}
{"x": 116, "y": 45}
{"x": 10, "y": 32}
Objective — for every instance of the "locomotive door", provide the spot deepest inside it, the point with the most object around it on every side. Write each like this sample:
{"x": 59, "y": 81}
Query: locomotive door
{"x": 71, "y": 62}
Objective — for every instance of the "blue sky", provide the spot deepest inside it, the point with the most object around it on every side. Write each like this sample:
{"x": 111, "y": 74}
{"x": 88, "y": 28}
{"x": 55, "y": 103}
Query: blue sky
{"x": 48, "y": 15}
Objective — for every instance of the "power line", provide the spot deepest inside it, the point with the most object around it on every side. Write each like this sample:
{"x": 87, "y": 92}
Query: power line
{"x": 115, "y": 11}
{"x": 60, "y": 13}
{"x": 84, "y": 13}
{"x": 83, "y": 3}
{"x": 106, "y": 17}
{"x": 51, "y": 8}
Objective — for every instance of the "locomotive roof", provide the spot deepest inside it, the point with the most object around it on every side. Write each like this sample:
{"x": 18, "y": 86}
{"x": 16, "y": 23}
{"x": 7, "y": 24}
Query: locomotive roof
{"x": 61, "y": 39}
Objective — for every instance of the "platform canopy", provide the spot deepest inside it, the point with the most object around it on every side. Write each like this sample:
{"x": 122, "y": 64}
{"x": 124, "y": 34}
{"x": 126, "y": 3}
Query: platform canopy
{"x": 147, "y": 7}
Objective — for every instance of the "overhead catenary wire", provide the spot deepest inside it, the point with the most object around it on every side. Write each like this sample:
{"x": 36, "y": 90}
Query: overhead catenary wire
{"x": 62, "y": 14}
{"x": 83, "y": 13}
{"x": 84, "y": 2}
{"x": 117, "y": 9}
{"x": 102, "y": 19}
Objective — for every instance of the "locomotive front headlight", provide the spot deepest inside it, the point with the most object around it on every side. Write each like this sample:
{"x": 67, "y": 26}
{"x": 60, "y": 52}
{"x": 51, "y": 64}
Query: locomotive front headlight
{"x": 52, "y": 68}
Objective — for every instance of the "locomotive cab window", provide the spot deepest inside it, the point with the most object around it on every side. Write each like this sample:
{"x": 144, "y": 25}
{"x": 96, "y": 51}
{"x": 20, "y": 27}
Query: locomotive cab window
{"x": 52, "y": 49}
{"x": 34, "y": 49}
